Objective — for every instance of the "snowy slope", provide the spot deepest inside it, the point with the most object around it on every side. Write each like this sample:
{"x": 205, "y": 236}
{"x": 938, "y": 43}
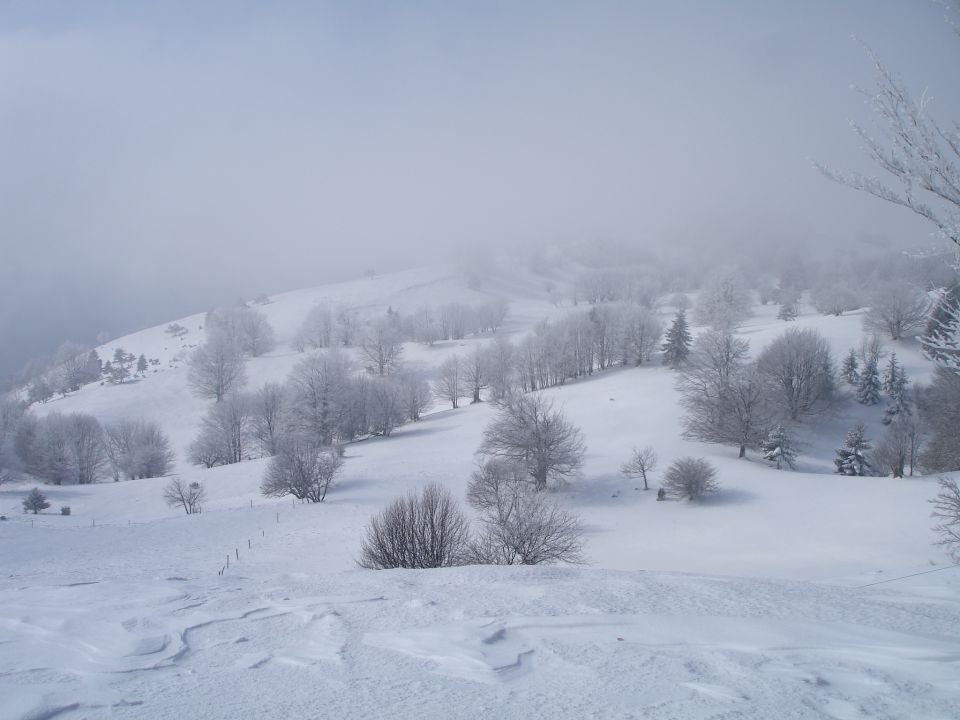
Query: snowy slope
{"x": 745, "y": 606}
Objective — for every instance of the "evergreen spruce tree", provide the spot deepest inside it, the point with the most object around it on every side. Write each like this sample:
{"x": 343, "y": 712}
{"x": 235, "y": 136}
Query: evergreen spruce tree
{"x": 676, "y": 346}
{"x": 92, "y": 368}
{"x": 899, "y": 405}
{"x": 142, "y": 365}
{"x": 850, "y": 369}
{"x": 788, "y": 310}
{"x": 868, "y": 387}
{"x": 852, "y": 457}
{"x": 778, "y": 447}
{"x": 890, "y": 375}
{"x": 35, "y": 501}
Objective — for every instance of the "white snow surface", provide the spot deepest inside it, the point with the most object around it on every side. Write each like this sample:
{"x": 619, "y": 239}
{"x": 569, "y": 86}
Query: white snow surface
{"x": 759, "y": 603}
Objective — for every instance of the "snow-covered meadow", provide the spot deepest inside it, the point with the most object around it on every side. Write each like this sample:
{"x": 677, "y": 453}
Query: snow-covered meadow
{"x": 759, "y": 602}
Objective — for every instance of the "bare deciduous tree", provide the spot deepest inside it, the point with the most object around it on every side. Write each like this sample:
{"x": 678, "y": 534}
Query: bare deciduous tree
{"x": 449, "y": 383}
{"x": 189, "y": 496}
{"x": 530, "y": 431}
{"x": 269, "y": 416}
{"x": 641, "y": 463}
{"x": 425, "y": 530}
{"x": 301, "y": 467}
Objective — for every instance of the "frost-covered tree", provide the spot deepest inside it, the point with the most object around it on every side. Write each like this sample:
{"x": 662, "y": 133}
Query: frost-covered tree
{"x": 381, "y": 345}
{"x": 519, "y": 526}
{"x": 642, "y": 462}
{"x": 852, "y": 458}
{"x": 850, "y": 368}
{"x": 640, "y": 333}
{"x": 137, "y": 449}
{"x": 302, "y": 467}
{"x": 500, "y": 361}
{"x": 797, "y": 368}
{"x": 189, "y": 496}
{"x": 317, "y": 330}
{"x": 384, "y": 406}
{"x": 724, "y": 302}
{"x": 869, "y": 386}
{"x": 416, "y": 396}
{"x": 474, "y": 373}
{"x": 946, "y": 509}
{"x": 788, "y": 309}
{"x": 691, "y": 478}
{"x": 217, "y": 367}
{"x": 940, "y": 410}
{"x": 897, "y": 310}
{"x": 899, "y": 447}
{"x": 676, "y": 345}
{"x": 225, "y": 433}
{"x": 941, "y": 343}
{"x": 269, "y": 416}
{"x": 62, "y": 449}
{"x": 913, "y": 149}
{"x": 35, "y": 501}
{"x": 778, "y": 447}
{"x": 448, "y": 385}
{"x": 834, "y": 296}
{"x": 425, "y": 530}
{"x": 256, "y": 334}
{"x": 895, "y": 382}
{"x": 722, "y": 394}
{"x": 142, "y": 365}
{"x": 347, "y": 324}
{"x": 531, "y": 431}
{"x": 319, "y": 386}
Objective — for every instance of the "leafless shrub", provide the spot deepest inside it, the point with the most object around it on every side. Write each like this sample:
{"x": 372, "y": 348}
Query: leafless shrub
{"x": 946, "y": 508}
{"x": 691, "y": 477}
{"x": 189, "y": 496}
{"x": 302, "y": 467}
{"x": 417, "y": 531}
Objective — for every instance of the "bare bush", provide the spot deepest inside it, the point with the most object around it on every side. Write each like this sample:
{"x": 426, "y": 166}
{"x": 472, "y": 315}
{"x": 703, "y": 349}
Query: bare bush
{"x": 302, "y": 467}
{"x": 946, "y": 508}
{"x": 425, "y": 530}
{"x": 189, "y": 496}
{"x": 896, "y": 310}
{"x": 691, "y": 478}
{"x": 519, "y": 526}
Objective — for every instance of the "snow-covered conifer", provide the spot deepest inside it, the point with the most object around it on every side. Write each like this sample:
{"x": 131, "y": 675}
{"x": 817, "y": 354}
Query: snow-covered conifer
{"x": 852, "y": 457}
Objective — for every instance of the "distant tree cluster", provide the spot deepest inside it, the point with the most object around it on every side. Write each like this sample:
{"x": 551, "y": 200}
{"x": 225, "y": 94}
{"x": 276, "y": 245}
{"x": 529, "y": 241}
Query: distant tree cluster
{"x": 323, "y": 398}
{"x": 380, "y": 338}
{"x": 76, "y": 449}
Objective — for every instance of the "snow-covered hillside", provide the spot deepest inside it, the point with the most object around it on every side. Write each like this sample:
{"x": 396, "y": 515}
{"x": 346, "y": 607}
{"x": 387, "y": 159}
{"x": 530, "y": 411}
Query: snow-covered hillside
{"x": 746, "y": 605}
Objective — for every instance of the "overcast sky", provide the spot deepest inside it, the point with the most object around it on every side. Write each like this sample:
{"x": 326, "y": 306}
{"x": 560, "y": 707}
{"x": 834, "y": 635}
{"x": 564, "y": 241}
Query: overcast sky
{"x": 159, "y": 158}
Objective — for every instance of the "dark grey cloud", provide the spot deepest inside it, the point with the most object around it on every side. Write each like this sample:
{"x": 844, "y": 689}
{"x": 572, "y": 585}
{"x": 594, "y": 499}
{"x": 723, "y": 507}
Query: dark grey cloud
{"x": 159, "y": 159}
